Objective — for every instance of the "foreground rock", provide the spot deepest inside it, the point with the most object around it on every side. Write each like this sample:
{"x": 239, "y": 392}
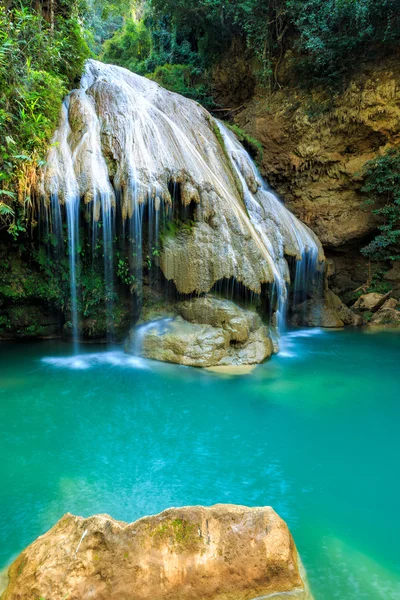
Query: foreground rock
{"x": 207, "y": 332}
{"x": 327, "y": 312}
{"x": 224, "y": 552}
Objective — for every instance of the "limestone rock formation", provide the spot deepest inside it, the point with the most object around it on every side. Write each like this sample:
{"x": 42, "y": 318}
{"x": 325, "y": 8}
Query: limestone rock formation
{"x": 326, "y": 312}
{"x": 316, "y": 146}
{"x": 224, "y": 552}
{"x": 221, "y": 313}
{"x": 207, "y": 332}
{"x": 371, "y": 302}
{"x": 387, "y": 316}
{"x": 124, "y": 140}
{"x": 378, "y": 310}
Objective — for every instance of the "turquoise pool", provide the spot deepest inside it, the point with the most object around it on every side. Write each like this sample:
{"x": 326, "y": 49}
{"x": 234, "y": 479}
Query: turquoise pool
{"x": 313, "y": 433}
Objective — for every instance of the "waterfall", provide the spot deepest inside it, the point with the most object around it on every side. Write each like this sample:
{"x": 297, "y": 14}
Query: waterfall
{"x": 166, "y": 183}
{"x": 264, "y": 207}
{"x": 61, "y": 156}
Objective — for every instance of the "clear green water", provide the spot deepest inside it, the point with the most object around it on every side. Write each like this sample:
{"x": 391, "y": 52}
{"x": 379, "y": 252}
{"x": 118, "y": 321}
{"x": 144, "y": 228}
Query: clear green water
{"x": 314, "y": 434}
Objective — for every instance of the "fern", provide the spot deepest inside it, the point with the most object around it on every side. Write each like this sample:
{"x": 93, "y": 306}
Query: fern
{"x": 5, "y": 210}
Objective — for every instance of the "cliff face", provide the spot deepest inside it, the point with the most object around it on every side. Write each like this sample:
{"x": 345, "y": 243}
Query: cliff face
{"x": 315, "y": 146}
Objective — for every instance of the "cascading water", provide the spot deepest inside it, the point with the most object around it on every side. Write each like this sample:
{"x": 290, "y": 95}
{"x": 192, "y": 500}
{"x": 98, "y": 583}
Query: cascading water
{"x": 263, "y": 207}
{"x": 63, "y": 159}
{"x": 107, "y": 225}
{"x": 72, "y": 209}
{"x": 131, "y": 157}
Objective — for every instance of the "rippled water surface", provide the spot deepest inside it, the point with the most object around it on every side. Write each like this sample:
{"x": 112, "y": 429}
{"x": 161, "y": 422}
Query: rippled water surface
{"x": 314, "y": 433}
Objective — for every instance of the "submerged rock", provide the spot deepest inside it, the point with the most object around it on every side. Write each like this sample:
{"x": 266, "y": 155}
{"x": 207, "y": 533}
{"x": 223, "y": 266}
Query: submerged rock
{"x": 224, "y": 552}
{"x": 207, "y": 332}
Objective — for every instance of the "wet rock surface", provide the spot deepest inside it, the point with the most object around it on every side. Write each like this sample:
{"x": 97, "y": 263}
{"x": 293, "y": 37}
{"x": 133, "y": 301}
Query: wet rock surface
{"x": 207, "y": 332}
{"x": 225, "y": 552}
{"x": 328, "y": 311}
{"x": 123, "y": 139}
{"x": 315, "y": 148}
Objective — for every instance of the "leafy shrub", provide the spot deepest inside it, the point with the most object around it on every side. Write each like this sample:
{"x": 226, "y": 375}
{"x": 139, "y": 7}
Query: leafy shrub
{"x": 334, "y": 35}
{"x": 40, "y": 58}
{"x": 382, "y": 184}
{"x": 182, "y": 79}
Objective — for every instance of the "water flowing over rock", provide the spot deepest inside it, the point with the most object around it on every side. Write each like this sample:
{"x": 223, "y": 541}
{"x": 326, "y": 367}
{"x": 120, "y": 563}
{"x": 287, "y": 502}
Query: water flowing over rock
{"x": 225, "y": 552}
{"x": 134, "y": 162}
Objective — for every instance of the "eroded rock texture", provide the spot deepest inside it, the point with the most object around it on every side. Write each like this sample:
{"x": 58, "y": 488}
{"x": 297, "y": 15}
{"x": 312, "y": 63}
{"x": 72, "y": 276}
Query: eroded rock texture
{"x": 378, "y": 310}
{"x": 124, "y": 140}
{"x": 207, "y": 332}
{"x": 224, "y": 552}
{"x": 315, "y": 147}
{"x": 328, "y": 311}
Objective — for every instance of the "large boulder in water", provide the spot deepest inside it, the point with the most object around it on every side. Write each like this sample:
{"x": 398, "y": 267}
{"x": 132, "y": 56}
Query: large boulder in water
{"x": 221, "y": 313}
{"x": 207, "y": 332}
{"x": 224, "y": 552}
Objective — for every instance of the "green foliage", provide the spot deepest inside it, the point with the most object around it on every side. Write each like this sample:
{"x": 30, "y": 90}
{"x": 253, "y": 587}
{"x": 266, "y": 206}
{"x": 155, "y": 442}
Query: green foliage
{"x": 382, "y": 184}
{"x": 253, "y": 146}
{"x": 130, "y": 47}
{"x": 149, "y": 47}
{"x": 328, "y": 38}
{"x": 183, "y": 79}
{"x": 335, "y": 34}
{"x": 103, "y": 19}
{"x": 377, "y": 285}
{"x": 124, "y": 272}
{"x": 41, "y": 55}
{"x": 5, "y": 210}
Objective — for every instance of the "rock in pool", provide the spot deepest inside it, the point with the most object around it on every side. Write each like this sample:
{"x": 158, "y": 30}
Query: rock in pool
{"x": 207, "y": 332}
{"x": 224, "y": 552}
